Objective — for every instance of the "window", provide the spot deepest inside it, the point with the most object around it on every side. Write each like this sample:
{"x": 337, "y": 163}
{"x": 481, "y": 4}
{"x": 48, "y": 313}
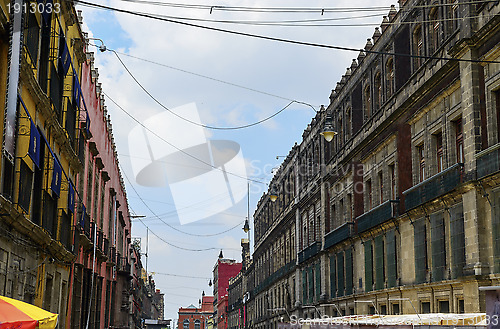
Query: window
{"x": 368, "y": 266}
{"x": 434, "y": 29}
{"x": 444, "y": 306}
{"x": 367, "y": 102}
{"x": 349, "y": 207}
{"x": 420, "y": 245}
{"x": 418, "y": 47}
{"x": 392, "y": 260}
{"x": 497, "y": 105}
{"x": 389, "y": 77}
{"x": 185, "y": 324}
{"x": 421, "y": 159}
{"x": 459, "y": 141}
{"x": 426, "y": 307}
{"x": 439, "y": 152}
{"x": 340, "y": 274}
{"x": 395, "y": 309}
{"x": 457, "y": 240}
{"x": 369, "y": 191}
{"x": 438, "y": 246}
{"x": 379, "y": 262}
{"x": 452, "y": 16}
{"x": 381, "y": 187}
{"x": 32, "y": 37}
{"x": 393, "y": 181}
{"x": 25, "y": 186}
{"x": 196, "y": 324}
{"x": 377, "y": 102}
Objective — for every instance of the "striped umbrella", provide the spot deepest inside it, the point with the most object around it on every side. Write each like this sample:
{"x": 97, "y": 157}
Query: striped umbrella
{"x": 21, "y": 315}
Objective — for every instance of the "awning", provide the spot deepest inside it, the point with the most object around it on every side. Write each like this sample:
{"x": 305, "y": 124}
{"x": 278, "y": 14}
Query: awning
{"x": 14, "y": 313}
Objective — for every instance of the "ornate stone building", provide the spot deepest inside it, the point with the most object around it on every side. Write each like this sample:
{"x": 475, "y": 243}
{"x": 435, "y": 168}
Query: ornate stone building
{"x": 400, "y": 212}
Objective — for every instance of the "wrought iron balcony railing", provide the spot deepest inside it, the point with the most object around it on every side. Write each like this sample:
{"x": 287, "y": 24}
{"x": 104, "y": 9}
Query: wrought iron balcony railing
{"x": 338, "y": 235}
{"x": 378, "y": 215}
{"x": 434, "y": 187}
{"x": 488, "y": 161}
{"x": 310, "y": 252}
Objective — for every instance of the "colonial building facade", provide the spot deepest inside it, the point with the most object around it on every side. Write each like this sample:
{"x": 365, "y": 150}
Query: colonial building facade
{"x": 65, "y": 232}
{"x": 400, "y": 212}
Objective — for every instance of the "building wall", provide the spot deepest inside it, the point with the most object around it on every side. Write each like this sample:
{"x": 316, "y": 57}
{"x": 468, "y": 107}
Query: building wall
{"x": 400, "y": 209}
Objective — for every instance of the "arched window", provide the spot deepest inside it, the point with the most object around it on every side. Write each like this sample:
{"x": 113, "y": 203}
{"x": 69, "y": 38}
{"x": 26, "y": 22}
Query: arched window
{"x": 434, "y": 29}
{"x": 418, "y": 46}
{"x": 185, "y": 324}
{"x": 367, "y": 99}
{"x": 389, "y": 77}
{"x": 196, "y": 324}
{"x": 377, "y": 101}
{"x": 452, "y": 16}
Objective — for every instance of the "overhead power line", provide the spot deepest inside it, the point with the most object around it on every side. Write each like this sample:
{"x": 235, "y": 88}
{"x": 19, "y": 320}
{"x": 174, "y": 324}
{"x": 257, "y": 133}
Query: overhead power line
{"x": 321, "y": 10}
{"x": 307, "y": 22}
{"x": 213, "y": 79}
{"x": 178, "y": 149}
{"x": 296, "y": 42}
{"x": 171, "y": 226}
{"x": 196, "y": 123}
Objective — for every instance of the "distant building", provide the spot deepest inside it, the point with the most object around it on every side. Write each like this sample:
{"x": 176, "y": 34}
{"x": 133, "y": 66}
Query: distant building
{"x": 193, "y": 317}
{"x": 224, "y": 269}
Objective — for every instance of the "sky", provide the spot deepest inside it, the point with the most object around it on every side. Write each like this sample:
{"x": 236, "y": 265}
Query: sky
{"x": 191, "y": 182}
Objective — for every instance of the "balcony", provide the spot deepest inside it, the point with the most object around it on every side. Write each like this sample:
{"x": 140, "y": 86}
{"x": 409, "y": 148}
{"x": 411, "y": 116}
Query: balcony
{"x": 488, "y": 161}
{"x": 378, "y": 215}
{"x": 309, "y": 252}
{"x": 434, "y": 187}
{"x": 282, "y": 271}
{"x": 338, "y": 235}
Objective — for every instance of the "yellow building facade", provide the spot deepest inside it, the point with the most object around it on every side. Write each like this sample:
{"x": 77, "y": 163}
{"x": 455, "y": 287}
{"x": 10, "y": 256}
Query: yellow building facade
{"x": 41, "y": 49}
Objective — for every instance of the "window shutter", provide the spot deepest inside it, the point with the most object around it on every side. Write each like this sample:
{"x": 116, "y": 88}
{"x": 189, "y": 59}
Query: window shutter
{"x": 304, "y": 285}
{"x": 368, "y": 266}
{"x": 311, "y": 284}
{"x": 340, "y": 274}
{"x": 348, "y": 272}
{"x": 333, "y": 281}
{"x": 457, "y": 241}
{"x": 390, "y": 239}
{"x": 496, "y": 231}
{"x": 438, "y": 245}
{"x": 318, "y": 281}
{"x": 379, "y": 262}
{"x": 420, "y": 247}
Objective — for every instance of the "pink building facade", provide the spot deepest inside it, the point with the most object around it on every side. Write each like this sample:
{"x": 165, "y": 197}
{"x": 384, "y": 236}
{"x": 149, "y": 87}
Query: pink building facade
{"x": 101, "y": 274}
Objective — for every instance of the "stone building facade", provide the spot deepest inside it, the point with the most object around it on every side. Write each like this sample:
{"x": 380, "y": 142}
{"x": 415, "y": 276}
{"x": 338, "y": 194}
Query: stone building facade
{"x": 400, "y": 211}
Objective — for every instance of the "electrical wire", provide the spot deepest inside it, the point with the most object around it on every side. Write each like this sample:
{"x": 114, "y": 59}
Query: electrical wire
{"x": 171, "y": 226}
{"x": 210, "y": 78}
{"x": 296, "y": 42}
{"x": 321, "y": 10}
{"x": 194, "y": 122}
{"x": 178, "y": 149}
{"x": 307, "y": 22}
{"x": 182, "y": 276}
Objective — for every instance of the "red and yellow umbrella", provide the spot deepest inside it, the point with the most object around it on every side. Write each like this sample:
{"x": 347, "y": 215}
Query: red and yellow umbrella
{"x": 15, "y": 314}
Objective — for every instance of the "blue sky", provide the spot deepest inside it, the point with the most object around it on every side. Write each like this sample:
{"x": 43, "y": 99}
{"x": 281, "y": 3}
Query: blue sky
{"x": 295, "y": 72}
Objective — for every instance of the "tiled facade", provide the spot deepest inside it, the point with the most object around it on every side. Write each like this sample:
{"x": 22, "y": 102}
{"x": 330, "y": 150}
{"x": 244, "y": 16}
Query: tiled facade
{"x": 401, "y": 208}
